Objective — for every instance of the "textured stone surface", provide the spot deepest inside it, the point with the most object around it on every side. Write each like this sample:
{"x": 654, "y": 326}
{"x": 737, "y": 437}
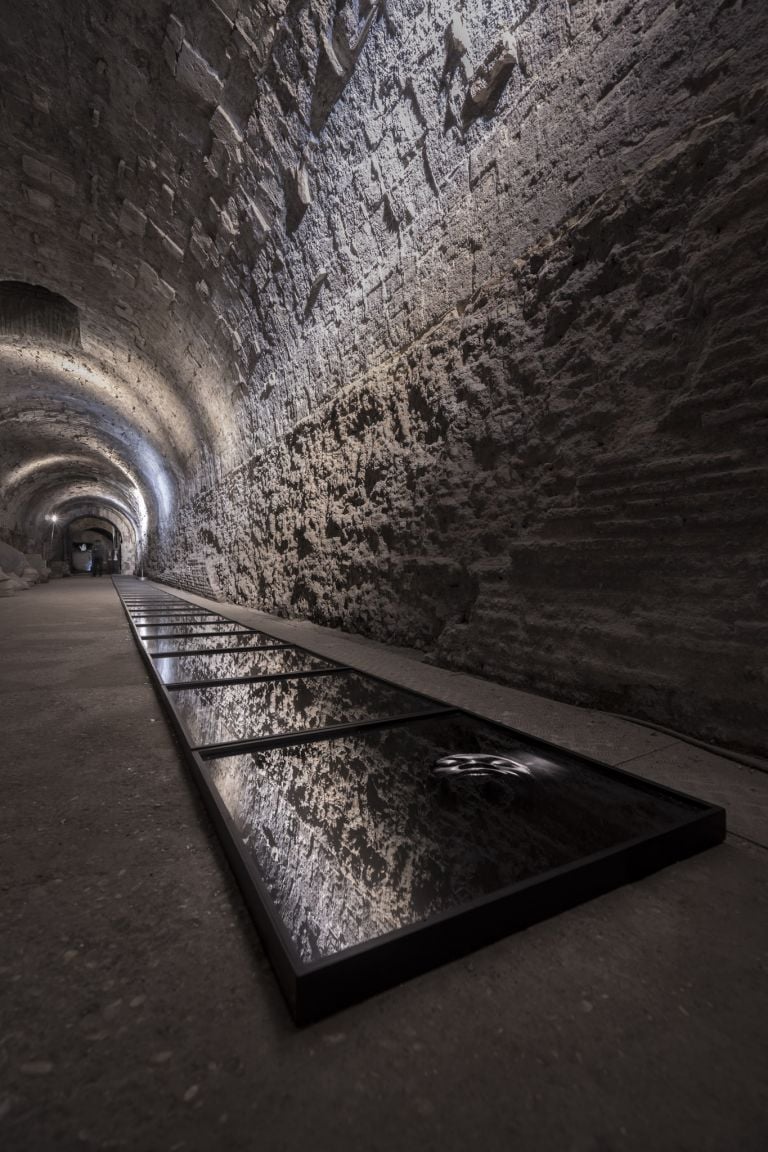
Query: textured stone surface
{"x": 441, "y": 322}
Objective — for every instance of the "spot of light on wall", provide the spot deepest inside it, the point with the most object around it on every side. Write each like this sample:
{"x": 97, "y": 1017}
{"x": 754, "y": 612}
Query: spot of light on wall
{"x": 160, "y": 483}
{"x": 143, "y": 514}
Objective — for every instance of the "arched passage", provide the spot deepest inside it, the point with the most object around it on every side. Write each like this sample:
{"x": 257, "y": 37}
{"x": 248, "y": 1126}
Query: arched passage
{"x": 442, "y": 323}
{"x": 114, "y": 530}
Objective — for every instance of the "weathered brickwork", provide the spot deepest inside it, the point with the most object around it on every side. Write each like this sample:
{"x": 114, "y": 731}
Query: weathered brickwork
{"x": 556, "y": 487}
{"x": 439, "y": 321}
{"x": 542, "y": 457}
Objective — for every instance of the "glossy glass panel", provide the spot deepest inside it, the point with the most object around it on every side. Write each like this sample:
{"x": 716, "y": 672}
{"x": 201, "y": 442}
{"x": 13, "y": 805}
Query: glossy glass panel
{"x": 146, "y": 618}
{"x": 172, "y": 611}
{"x": 225, "y": 665}
{"x": 166, "y": 621}
{"x": 356, "y": 837}
{"x": 207, "y": 643}
{"x": 153, "y": 608}
{"x": 148, "y": 631}
{"x": 183, "y": 624}
{"x": 253, "y": 711}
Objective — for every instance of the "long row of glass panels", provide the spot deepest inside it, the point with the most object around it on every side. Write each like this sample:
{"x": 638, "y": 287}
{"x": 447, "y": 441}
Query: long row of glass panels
{"x": 331, "y": 779}
{"x": 231, "y": 683}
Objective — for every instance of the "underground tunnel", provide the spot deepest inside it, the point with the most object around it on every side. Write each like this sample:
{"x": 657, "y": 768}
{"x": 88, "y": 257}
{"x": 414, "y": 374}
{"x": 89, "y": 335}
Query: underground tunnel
{"x": 423, "y": 344}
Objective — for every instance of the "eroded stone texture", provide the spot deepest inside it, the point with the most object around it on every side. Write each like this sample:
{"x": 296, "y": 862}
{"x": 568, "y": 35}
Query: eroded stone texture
{"x": 443, "y": 322}
{"x": 552, "y": 469}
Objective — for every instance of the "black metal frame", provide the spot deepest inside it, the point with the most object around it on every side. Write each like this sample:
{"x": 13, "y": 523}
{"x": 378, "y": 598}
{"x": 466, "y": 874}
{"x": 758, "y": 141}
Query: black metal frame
{"x": 170, "y": 612}
{"x": 212, "y": 651}
{"x": 175, "y": 617}
{"x": 192, "y": 628}
{"x": 178, "y": 619}
{"x": 193, "y": 635}
{"x": 311, "y": 735}
{"x": 323, "y": 986}
{"x": 222, "y": 681}
{"x": 186, "y": 610}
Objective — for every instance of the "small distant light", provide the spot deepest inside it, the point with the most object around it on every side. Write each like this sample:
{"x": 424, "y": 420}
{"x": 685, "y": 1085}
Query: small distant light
{"x": 54, "y": 517}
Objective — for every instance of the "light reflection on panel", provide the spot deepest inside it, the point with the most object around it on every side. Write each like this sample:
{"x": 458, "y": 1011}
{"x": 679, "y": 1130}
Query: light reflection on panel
{"x": 157, "y": 610}
{"x": 253, "y": 711}
{"x": 163, "y": 621}
{"x": 221, "y": 665}
{"x": 192, "y": 643}
{"x": 150, "y": 630}
{"x": 355, "y": 837}
{"x": 187, "y": 610}
{"x": 192, "y": 625}
{"x": 165, "y": 605}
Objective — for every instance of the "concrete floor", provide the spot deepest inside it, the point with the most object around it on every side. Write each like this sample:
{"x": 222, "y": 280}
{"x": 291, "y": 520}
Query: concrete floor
{"x": 139, "y": 1012}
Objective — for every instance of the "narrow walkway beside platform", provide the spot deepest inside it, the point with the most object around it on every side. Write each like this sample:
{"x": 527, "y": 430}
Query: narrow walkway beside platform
{"x": 139, "y": 1012}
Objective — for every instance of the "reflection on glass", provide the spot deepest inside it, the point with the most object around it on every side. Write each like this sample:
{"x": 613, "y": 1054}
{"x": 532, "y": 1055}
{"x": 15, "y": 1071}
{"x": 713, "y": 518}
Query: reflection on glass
{"x": 224, "y": 665}
{"x": 356, "y": 837}
{"x": 190, "y": 610}
{"x": 163, "y": 620}
{"x": 217, "y": 643}
{"x": 157, "y": 610}
{"x": 150, "y": 630}
{"x": 252, "y": 711}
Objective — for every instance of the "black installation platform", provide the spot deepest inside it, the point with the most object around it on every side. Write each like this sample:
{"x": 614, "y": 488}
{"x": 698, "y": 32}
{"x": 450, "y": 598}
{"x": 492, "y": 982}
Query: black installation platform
{"x": 375, "y": 832}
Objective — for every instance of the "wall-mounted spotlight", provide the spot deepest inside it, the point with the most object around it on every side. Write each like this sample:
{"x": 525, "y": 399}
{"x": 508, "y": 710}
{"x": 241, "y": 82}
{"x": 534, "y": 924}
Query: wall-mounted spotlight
{"x": 53, "y": 518}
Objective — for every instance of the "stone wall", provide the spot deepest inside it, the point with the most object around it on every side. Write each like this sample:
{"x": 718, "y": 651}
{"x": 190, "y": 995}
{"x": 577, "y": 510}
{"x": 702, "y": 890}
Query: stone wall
{"x": 509, "y": 393}
{"x": 441, "y": 321}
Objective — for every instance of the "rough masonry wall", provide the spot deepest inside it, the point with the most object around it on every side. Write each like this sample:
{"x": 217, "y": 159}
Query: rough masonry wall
{"x": 511, "y": 395}
{"x": 443, "y": 321}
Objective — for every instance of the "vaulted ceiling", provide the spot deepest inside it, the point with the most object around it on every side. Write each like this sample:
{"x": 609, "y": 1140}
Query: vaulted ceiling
{"x": 136, "y": 147}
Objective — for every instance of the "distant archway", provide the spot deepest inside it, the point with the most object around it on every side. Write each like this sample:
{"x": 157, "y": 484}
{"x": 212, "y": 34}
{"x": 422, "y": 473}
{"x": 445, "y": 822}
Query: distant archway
{"x": 116, "y": 534}
{"x": 83, "y": 532}
{"x": 32, "y": 312}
